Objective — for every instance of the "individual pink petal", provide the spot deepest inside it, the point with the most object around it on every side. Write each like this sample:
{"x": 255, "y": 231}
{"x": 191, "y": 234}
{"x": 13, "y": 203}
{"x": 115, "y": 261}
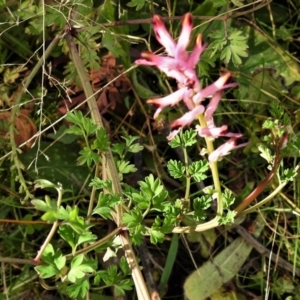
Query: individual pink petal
{"x": 197, "y": 51}
{"x": 157, "y": 60}
{"x": 213, "y": 88}
{"x": 174, "y": 73}
{"x": 173, "y": 134}
{"x": 215, "y": 132}
{"x": 163, "y": 36}
{"x": 225, "y": 149}
{"x": 169, "y": 100}
{"x": 211, "y": 131}
{"x": 188, "y": 117}
{"x": 184, "y": 38}
{"x": 212, "y": 106}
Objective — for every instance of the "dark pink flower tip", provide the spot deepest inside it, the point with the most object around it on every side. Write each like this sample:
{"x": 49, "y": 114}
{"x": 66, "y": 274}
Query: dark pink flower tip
{"x": 213, "y": 88}
{"x": 169, "y": 100}
{"x": 225, "y": 149}
{"x": 197, "y": 51}
{"x": 163, "y": 36}
{"x": 188, "y": 117}
{"x": 184, "y": 38}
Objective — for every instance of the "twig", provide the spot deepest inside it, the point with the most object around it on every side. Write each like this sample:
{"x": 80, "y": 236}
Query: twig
{"x": 264, "y": 251}
{"x": 147, "y": 270}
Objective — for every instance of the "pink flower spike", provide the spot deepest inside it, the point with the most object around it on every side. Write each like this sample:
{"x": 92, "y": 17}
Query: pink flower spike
{"x": 213, "y": 88}
{"x": 169, "y": 100}
{"x": 197, "y": 51}
{"x": 225, "y": 149}
{"x": 184, "y": 38}
{"x": 188, "y": 117}
{"x": 163, "y": 36}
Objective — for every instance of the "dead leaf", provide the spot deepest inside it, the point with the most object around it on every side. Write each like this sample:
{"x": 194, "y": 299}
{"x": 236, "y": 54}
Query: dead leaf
{"x": 24, "y": 127}
{"x": 111, "y": 97}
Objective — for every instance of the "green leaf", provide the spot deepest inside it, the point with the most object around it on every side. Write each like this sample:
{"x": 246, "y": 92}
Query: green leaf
{"x": 198, "y": 169}
{"x": 132, "y": 219}
{"x": 228, "y": 198}
{"x": 46, "y": 271}
{"x": 101, "y": 143}
{"x": 49, "y": 216}
{"x": 110, "y": 42}
{"x": 189, "y": 138}
{"x": 124, "y": 167}
{"x": 87, "y": 156}
{"x": 86, "y": 237}
{"x": 200, "y": 204}
{"x": 176, "y": 168}
{"x": 79, "y": 288}
{"x": 105, "y": 205}
{"x": 77, "y": 261}
{"x": 139, "y": 4}
{"x": 88, "y": 126}
{"x": 130, "y": 145}
{"x": 68, "y": 234}
{"x": 79, "y": 269}
{"x": 156, "y": 236}
{"x": 75, "y": 117}
{"x": 101, "y": 184}
{"x": 40, "y": 205}
{"x": 124, "y": 266}
{"x": 119, "y": 149}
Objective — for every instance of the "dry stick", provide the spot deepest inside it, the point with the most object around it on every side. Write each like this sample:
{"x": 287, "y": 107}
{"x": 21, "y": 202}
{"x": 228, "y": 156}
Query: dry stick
{"x": 110, "y": 168}
{"x": 16, "y": 108}
{"x": 262, "y": 250}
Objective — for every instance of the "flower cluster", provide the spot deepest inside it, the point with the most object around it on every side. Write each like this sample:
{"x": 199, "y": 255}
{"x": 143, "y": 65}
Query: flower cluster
{"x": 180, "y": 65}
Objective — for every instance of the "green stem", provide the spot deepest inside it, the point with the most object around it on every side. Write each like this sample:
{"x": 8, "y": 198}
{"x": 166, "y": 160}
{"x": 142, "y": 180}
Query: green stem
{"x": 53, "y": 229}
{"x": 213, "y": 168}
{"x": 94, "y": 246}
{"x": 259, "y": 204}
{"x": 188, "y": 179}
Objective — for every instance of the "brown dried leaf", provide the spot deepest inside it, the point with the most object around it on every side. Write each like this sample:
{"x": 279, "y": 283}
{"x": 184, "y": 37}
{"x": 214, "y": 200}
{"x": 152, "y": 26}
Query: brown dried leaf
{"x": 24, "y": 128}
{"x": 111, "y": 96}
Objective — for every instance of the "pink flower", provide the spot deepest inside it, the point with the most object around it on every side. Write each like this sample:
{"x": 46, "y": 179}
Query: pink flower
{"x": 163, "y": 36}
{"x": 188, "y": 117}
{"x": 172, "y": 134}
{"x": 195, "y": 55}
{"x": 215, "y": 132}
{"x": 184, "y": 38}
{"x": 225, "y": 149}
{"x": 213, "y": 88}
{"x": 169, "y": 100}
{"x": 212, "y": 106}
{"x": 179, "y": 64}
